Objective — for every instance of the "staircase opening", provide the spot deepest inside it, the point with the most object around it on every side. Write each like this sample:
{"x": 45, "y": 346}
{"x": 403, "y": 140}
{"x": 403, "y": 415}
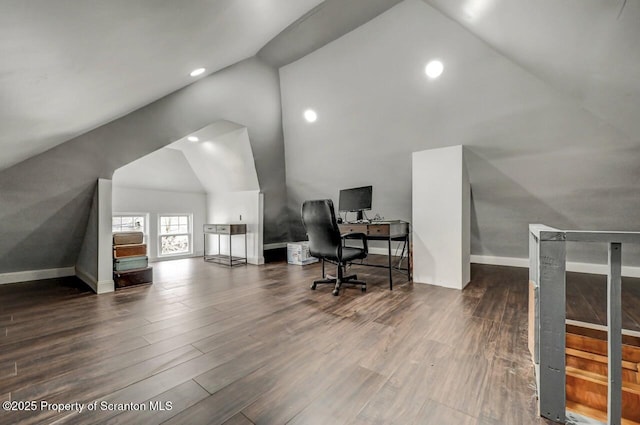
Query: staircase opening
{"x": 587, "y": 372}
{"x": 584, "y": 372}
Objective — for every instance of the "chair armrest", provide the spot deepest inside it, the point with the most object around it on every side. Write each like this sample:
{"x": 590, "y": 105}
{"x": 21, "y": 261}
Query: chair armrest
{"x": 357, "y": 235}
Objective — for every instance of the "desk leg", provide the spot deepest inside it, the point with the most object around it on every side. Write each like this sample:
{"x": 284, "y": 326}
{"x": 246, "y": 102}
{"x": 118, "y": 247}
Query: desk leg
{"x": 230, "y": 257}
{"x": 390, "y": 267}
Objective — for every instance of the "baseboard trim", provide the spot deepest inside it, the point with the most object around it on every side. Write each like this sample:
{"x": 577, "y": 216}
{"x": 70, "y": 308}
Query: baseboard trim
{"x": 372, "y": 249}
{"x": 572, "y": 266}
{"x": 90, "y": 280}
{"x": 31, "y": 275}
{"x": 105, "y": 286}
{"x": 255, "y": 260}
{"x": 98, "y": 286}
{"x": 275, "y": 245}
{"x": 500, "y": 261}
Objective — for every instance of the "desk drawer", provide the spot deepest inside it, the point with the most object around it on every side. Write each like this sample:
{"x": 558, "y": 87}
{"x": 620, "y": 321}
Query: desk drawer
{"x": 237, "y": 229}
{"x": 353, "y": 228}
{"x": 379, "y": 230}
{"x": 224, "y": 229}
{"x": 210, "y": 228}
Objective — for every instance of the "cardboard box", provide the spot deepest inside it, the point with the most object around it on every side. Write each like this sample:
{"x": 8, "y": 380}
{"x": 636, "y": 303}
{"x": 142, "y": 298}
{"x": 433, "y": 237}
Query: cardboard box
{"x": 298, "y": 253}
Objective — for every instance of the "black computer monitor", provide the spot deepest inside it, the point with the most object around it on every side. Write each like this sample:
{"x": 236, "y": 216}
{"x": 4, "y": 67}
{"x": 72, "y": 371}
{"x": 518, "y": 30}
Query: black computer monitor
{"x": 357, "y": 199}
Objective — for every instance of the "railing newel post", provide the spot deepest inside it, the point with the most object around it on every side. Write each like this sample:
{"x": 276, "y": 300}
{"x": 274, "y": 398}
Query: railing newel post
{"x": 552, "y": 319}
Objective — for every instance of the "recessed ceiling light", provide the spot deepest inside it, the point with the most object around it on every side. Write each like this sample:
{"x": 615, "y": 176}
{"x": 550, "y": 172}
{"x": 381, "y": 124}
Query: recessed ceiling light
{"x": 192, "y": 139}
{"x": 434, "y": 69}
{"x": 310, "y": 115}
{"x": 197, "y": 72}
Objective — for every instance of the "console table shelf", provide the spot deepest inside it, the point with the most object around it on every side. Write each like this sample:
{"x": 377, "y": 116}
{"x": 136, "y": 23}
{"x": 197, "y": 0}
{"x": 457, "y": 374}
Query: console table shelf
{"x": 229, "y": 230}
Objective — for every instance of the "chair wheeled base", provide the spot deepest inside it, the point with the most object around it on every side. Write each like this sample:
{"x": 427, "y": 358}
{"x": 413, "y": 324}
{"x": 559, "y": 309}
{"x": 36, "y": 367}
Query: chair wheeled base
{"x": 339, "y": 280}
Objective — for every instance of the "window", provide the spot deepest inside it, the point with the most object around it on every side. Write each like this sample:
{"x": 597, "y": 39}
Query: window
{"x": 175, "y": 235}
{"x": 128, "y": 223}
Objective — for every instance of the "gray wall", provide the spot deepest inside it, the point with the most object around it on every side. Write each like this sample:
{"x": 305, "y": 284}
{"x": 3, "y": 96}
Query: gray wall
{"x": 87, "y": 262}
{"x": 533, "y": 154}
{"x": 45, "y": 200}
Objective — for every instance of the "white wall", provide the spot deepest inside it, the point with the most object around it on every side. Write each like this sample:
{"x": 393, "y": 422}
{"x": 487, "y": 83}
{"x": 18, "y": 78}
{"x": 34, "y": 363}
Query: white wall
{"x": 534, "y": 154}
{"x": 86, "y": 267}
{"x": 155, "y": 202}
{"x": 238, "y": 207}
{"x": 105, "y": 240}
{"x": 95, "y": 262}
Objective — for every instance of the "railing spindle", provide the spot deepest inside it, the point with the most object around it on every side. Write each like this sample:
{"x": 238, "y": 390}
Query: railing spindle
{"x": 614, "y": 334}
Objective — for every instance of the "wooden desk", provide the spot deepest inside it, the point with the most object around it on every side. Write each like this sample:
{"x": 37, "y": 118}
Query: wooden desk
{"x": 384, "y": 231}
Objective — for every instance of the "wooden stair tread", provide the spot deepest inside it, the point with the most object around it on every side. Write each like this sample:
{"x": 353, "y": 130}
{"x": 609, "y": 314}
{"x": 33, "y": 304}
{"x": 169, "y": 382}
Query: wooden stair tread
{"x": 599, "y": 379}
{"x": 599, "y": 358}
{"x": 594, "y": 413}
{"x": 630, "y": 353}
{"x": 586, "y": 374}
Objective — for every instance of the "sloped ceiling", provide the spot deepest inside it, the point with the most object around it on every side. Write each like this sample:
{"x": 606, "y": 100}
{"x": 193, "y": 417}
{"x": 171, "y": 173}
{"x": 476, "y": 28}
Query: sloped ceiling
{"x": 587, "y": 49}
{"x": 328, "y": 21}
{"x": 221, "y": 158}
{"x": 69, "y": 66}
{"x": 165, "y": 169}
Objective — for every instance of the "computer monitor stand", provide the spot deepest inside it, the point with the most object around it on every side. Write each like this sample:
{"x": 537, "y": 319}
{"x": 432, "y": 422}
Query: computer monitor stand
{"x": 359, "y": 216}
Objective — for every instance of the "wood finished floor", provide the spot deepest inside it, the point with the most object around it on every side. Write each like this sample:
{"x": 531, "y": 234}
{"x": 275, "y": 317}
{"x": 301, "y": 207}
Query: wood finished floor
{"x": 254, "y": 345}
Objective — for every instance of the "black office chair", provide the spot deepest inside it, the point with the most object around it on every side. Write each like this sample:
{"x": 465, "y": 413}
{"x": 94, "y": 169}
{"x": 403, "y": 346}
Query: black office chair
{"x": 326, "y": 243}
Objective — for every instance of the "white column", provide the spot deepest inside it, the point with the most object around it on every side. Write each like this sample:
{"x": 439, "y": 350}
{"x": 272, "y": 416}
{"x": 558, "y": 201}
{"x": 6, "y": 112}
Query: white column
{"x": 105, "y": 241}
{"x": 441, "y": 200}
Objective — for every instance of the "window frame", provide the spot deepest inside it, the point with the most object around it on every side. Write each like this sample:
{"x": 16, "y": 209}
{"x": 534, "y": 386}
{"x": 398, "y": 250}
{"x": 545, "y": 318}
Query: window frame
{"x": 189, "y": 234}
{"x": 145, "y": 226}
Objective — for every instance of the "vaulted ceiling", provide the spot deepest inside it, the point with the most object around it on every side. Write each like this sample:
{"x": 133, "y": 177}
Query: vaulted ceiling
{"x": 587, "y": 49}
{"x": 68, "y": 66}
